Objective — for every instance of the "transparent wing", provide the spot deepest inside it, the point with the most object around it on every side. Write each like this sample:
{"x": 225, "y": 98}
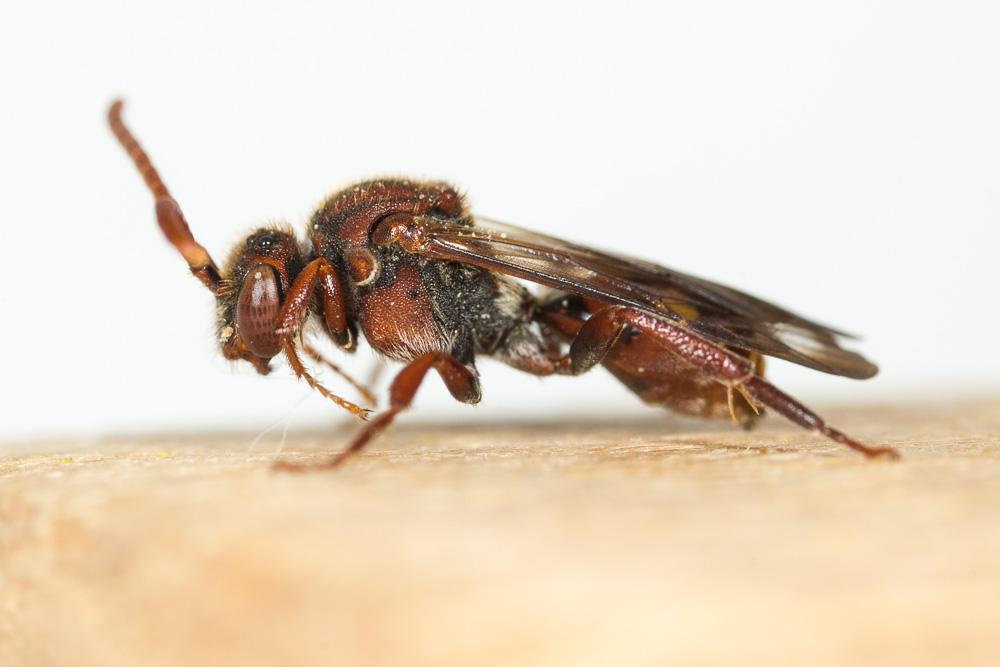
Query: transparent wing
{"x": 716, "y": 312}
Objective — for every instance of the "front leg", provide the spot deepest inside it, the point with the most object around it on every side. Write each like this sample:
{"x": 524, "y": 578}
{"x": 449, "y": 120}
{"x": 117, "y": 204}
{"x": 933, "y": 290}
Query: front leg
{"x": 318, "y": 275}
{"x": 602, "y": 330}
{"x": 461, "y": 380}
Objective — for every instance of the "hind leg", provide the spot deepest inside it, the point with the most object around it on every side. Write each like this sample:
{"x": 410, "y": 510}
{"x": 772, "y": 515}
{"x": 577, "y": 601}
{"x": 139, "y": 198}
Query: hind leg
{"x": 599, "y": 334}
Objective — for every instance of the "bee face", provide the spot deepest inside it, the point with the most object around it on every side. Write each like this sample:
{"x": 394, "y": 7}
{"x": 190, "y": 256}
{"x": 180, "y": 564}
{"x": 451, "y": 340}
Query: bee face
{"x": 257, "y": 276}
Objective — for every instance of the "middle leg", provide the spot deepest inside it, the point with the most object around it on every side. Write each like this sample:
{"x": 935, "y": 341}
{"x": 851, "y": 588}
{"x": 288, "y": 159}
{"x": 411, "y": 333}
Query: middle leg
{"x": 461, "y": 380}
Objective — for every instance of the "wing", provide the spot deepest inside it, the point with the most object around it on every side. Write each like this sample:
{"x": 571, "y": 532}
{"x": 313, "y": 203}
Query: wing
{"x": 713, "y": 311}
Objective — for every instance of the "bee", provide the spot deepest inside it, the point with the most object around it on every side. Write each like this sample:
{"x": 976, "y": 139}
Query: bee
{"x": 409, "y": 266}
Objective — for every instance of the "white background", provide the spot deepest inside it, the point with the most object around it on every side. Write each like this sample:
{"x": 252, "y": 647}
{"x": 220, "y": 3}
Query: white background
{"x": 839, "y": 158}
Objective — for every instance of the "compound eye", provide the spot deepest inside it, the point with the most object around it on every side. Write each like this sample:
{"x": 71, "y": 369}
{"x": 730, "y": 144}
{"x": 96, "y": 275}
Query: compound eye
{"x": 257, "y": 311}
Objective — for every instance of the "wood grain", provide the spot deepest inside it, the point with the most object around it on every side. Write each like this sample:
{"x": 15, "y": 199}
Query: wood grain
{"x": 655, "y": 542}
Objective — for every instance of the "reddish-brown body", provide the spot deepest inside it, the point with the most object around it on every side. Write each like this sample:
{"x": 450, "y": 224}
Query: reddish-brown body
{"x": 406, "y": 264}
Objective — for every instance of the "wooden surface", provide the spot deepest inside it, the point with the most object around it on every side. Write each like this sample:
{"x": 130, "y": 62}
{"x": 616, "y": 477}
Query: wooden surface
{"x": 659, "y": 542}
